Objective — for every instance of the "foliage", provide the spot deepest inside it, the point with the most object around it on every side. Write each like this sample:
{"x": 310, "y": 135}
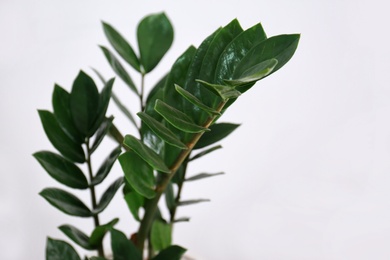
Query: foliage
{"x": 178, "y": 116}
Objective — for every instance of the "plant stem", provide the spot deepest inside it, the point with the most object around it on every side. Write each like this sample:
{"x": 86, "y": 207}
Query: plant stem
{"x": 151, "y": 207}
{"x": 180, "y": 188}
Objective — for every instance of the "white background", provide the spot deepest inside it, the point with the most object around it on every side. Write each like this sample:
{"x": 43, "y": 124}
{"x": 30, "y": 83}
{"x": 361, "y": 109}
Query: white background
{"x": 307, "y": 172}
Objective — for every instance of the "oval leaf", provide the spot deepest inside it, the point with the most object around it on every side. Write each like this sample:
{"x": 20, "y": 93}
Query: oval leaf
{"x": 59, "y": 250}
{"x": 101, "y": 133}
{"x": 217, "y": 133}
{"x": 77, "y": 236}
{"x": 108, "y": 195}
{"x": 160, "y": 235}
{"x": 122, "y": 247}
{"x": 105, "y": 168}
{"x": 99, "y": 232}
{"x": 172, "y": 253}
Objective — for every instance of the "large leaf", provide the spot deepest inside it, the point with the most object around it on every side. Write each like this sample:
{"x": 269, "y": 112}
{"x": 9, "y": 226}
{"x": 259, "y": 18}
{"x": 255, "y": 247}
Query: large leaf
{"x": 217, "y": 133}
{"x": 108, "y": 195}
{"x": 60, "y": 250}
{"x": 62, "y": 170}
{"x": 170, "y": 197}
{"x": 155, "y": 37}
{"x": 99, "y": 232}
{"x": 66, "y": 202}
{"x": 134, "y": 202}
{"x": 160, "y": 235}
{"x": 121, "y": 46}
{"x": 146, "y": 153}
{"x": 138, "y": 173}
{"x": 84, "y": 103}
{"x": 61, "y": 141}
{"x": 172, "y": 253}
{"x": 77, "y": 236}
{"x": 123, "y": 248}
{"x": 105, "y": 168}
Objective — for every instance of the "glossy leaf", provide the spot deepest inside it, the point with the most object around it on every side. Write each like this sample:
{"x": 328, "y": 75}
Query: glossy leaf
{"x": 60, "y": 250}
{"x": 134, "y": 202}
{"x": 225, "y": 92}
{"x": 105, "y": 168}
{"x": 138, "y": 173}
{"x": 119, "y": 69}
{"x": 146, "y": 153}
{"x": 202, "y": 176}
{"x": 66, "y": 146}
{"x": 77, "y": 236}
{"x": 170, "y": 197}
{"x": 108, "y": 195}
{"x": 84, "y": 103}
{"x": 217, "y": 133}
{"x": 172, "y": 253}
{"x": 99, "y": 232}
{"x": 62, "y": 170}
{"x": 66, "y": 202}
{"x": 61, "y": 107}
{"x": 160, "y": 235}
{"x": 101, "y": 133}
{"x": 178, "y": 118}
{"x": 161, "y": 130}
{"x": 205, "y": 152}
{"x": 121, "y": 46}
{"x": 123, "y": 248}
{"x": 155, "y": 37}
{"x": 190, "y": 202}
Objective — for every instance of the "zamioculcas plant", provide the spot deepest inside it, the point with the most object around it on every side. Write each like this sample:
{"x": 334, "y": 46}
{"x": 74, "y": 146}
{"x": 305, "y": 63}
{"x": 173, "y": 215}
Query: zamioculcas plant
{"x": 178, "y": 123}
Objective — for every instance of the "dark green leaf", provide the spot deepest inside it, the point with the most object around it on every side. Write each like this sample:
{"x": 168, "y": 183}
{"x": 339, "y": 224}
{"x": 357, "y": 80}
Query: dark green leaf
{"x": 225, "y": 92}
{"x": 104, "y": 170}
{"x": 101, "y": 133}
{"x": 170, "y": 197}
{"x": 178, "y": 118}
{"x": 138, "y": 173}
{"x": 108, "y": 195}
{"x": 146, "y": 153}
{"x": 161, "y": 130}
{"x": 66, "y": 146}
{"x": 61, "y": 106}
{"x": 60, "y": 250}
{"x": 190, "y": 202}
{"x": 99, "y": 232}
{"x": 62, "y": 170}
{"x": 183, "y": 219}
{"x": 119, "y": 69}
{"x": 123, "y": 109}
{"x": 202, "y": 176}
{"x": 205, "y": 152}
{"x": 96, "y": 258}
{"x": 123, "y": 248}
{"x": 155, "y": 37}
{"x": 172, "y": 253}
{"x": 161, "y": 235}
{"x": 134, "y": 202}
{"x": 77, "y": 236}
{"x": 121, "y": 46}
{"x": 217, "y": 133}
{"x": 66, "y": 202}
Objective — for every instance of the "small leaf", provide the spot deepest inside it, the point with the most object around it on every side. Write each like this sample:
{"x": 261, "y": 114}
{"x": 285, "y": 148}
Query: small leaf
{"x": 134, "y": 202}
{"x": 123, "y": 248}
{"x": 77, "y": 236}
{"x": 138, "y": 173}
{"x": 66, "y": 146}
{"x": 217, "y": 133}
{"x": 155, "y": 37}
{"x": 205, "y": 152}
{"x": 121, "y": 46}
{"x": 146, "y": 153}
{"x": 183, "y": 219}
{"x": 172, "y": 253}
{"x": 60, "y": 250}
{"x": 99, "y": 232}
{"x": 101, "y": 133}
{"x": 177, "y": 118}
{"x": 225, "y": 92}
{"x": 105, "y": 169}
{"x": 123, "y": 109}
{"x": 66, "y": 202}
{"x": 190, "y": 202}
{"x": 161, "y": 130}
{"x": 202, "y": 176}
{"x": 119, "y": 69}
{"x": 170, "y": 197}
{"x": 108, "y": 195}
{"x": 62, "y": 170}
{"x": 161, "y": 235}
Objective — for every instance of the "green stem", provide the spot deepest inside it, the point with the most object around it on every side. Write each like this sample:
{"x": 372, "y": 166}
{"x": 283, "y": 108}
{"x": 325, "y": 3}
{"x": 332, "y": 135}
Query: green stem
{"x": 178, "y": 196}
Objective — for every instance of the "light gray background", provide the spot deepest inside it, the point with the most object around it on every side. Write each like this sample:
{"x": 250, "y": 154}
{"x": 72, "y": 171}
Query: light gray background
{"x": 307, "y": 173}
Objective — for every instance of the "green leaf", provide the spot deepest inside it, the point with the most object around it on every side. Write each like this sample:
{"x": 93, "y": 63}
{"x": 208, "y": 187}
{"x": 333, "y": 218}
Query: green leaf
{"x": 99, "y": 232}
{"x": 205, "y": 152}
{"x": 84, "y": 103}
{"x": 108, "y": 195}
{"x": 254, "y": 73}
{"x": 66, "y": 146}
{"x": 138, "y": 173}
{"x": 66, "y": 202}
{"x": 177, "y": 118}
{"x": 190, "y": 202}
{"x": 96, "y": 258}
{"x": 217, "y": 133}
{"x": 101, "y": 133}
{"x": 119, "y": 69}
{"x": 172, "y": 253}
{"x": 105, "y": 168}
{"x": 225, "y": 92}
{"x": 77, "y": 236}
{"x": 191, "y": 98}
{"x": 161, "y": 130}
{"x": 123, "y": 248}
{"x": 62, "y": 170}
{"x": 60, "y": 250}
{"x": 134, "y": 202}
{"x": 61, "y": 106}
{"x": 121, "y": 46}
{"x": 155, "y": 37}
{"x": 123, "y": 109}
{"x": 160, "y": 235}
{"x": 203, "y": 175}
{"x": 146, "y": 153}
{"x": 170, "y": 197}
{"x": 183, "y": 219}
